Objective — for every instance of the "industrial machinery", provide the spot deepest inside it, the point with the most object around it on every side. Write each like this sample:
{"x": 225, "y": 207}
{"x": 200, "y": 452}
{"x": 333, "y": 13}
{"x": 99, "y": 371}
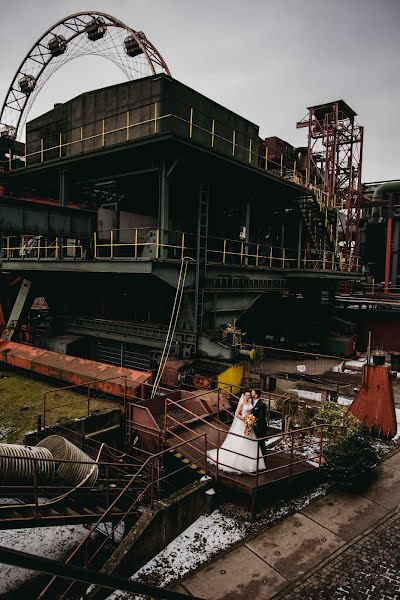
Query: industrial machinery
{"x": 334, "y": 159}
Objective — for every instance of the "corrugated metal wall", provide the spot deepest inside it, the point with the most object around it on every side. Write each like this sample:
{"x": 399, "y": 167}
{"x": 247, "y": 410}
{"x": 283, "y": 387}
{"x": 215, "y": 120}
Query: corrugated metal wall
{"x": 122, "y": 354}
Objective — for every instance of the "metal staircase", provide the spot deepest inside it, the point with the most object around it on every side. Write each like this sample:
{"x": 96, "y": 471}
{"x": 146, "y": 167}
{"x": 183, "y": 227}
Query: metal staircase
{"x": 318, "y": 221}
{"x": 68, "y": 512}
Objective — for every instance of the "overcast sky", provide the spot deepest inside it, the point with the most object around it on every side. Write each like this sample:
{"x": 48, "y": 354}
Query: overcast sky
{"x": 264, "y": 59}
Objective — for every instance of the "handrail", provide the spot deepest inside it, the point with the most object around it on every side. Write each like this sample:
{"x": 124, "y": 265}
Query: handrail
{"x": 260, "y": 155}
{"x": 87, "y": 537}
{"x": 220, "y": 251}
{"x": 268, "y": 437}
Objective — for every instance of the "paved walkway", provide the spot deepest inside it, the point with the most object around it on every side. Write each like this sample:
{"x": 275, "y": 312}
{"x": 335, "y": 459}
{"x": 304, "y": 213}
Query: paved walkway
{"x": 342, "y": 546}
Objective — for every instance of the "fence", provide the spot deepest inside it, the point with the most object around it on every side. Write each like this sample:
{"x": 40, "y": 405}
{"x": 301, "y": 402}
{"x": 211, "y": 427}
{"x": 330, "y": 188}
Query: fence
{"x": 122, "y": 128}
{"x": 159, "y": 244}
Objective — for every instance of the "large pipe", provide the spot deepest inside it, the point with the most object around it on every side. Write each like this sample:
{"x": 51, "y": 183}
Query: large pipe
{"x": 389, "y": 186}
{"x": 389, "y": 244}
{"x": 73, "y": 473}
{"x": 17, "y": 464}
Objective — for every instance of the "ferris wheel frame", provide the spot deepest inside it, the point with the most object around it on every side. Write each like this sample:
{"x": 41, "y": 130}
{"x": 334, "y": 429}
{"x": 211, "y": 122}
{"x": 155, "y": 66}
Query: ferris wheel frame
{"x": 19, "y": 101}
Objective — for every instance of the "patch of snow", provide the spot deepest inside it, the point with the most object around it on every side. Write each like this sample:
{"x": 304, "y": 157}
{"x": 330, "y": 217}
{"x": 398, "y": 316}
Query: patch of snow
{"x": 48, "y": 542}
{"x": 272, "y": 441}
{"x": 10, "y": 501}
{"x": 210, "y": 535}
{"x": 356, "y": 363}
{"x": 5, "y": 433}
{"x": 308, "y": 395}
{"x": 199, "y": 542}
{"x": 396, "y": 437}
{"x": 351, "y": 363}
{"x": 344, "y": 401}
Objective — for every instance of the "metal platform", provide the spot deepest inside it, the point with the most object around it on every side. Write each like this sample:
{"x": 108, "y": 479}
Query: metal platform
{"x": 279, "y": 465}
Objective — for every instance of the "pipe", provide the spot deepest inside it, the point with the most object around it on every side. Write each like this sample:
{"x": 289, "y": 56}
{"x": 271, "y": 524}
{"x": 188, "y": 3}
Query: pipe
{"x": 63, "y": 449}
{"x": 17, "y": 466}
{"x": 389, "y": 186}
{"x": 389, "y": 244}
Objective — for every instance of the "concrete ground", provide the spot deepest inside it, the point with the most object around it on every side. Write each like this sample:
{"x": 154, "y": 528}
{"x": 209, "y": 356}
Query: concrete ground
{"x": 342, "y": 546}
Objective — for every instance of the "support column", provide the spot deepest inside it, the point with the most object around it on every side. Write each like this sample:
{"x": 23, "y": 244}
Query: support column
{"x": 247, "y": 232}
{"x": 201, "y": 255}
{"x": 395, "y": 252}
{"x": 64, "y": 198}
{"x": 64, "y": 188}
{"x": 389, "y": 244}
{"x": 163, "y": 212}
{"x": 299, "y": 243}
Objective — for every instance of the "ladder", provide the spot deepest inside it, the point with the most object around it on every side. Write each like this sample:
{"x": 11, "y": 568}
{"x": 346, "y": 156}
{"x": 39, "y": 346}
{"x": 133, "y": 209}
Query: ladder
{"x": 201, "y": 254}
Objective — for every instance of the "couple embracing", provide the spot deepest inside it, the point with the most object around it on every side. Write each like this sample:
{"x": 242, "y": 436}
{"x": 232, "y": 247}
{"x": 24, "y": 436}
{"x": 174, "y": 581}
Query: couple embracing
{"x": 240, "y": 449}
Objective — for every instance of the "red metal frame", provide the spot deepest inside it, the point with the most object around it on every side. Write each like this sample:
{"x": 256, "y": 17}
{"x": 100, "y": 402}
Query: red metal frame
{"x": 334, "y": 160}
{"x": 374, "y": 404}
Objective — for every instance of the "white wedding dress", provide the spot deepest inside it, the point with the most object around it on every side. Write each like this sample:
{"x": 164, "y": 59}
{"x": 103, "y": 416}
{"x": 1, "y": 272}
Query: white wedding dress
{"x": 247, "y": 448}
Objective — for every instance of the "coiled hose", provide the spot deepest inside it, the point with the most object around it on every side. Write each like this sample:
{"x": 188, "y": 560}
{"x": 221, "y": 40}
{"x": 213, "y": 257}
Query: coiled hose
{"x": 15, "y": 470}
{"x": 73, "y": 473}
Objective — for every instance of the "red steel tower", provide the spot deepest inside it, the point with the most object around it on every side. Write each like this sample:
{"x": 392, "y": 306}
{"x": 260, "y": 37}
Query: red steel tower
{"x": 334, "y": 161}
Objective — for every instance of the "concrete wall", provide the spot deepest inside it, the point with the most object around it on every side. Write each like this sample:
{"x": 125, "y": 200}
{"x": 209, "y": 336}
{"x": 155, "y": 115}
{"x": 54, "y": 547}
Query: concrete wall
{"x": 137, "y": 103}
{"x": 156, "y": 529}
{"x": 79, "y": 428}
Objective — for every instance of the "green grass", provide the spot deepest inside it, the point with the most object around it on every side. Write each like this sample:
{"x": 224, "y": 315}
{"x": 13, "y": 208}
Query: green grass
{"x": 21, "y": 400}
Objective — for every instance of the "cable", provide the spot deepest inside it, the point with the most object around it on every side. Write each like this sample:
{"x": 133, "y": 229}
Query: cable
{"x": 172, "y": 324}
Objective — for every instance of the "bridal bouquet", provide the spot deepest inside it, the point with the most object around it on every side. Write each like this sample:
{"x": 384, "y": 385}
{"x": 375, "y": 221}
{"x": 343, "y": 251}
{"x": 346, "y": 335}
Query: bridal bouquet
{"x": 249, "y": 424}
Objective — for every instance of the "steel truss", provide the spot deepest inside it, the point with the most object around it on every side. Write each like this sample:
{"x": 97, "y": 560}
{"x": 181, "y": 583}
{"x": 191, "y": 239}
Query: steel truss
{"x": 334, "y": 161}
{"x": 80, "y": 34}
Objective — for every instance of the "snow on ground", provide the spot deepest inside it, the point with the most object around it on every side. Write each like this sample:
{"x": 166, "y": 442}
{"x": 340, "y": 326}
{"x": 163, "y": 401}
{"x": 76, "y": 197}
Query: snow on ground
{"x": 209, "y": 536}
{"x": 396, "y": 437}
{"x": 5, "y": 433}
{"x": 351, "y": 363}
{"x": 49, "y": 542}
{"x": 204, "y": 538}
{"x": 308, "y": 395}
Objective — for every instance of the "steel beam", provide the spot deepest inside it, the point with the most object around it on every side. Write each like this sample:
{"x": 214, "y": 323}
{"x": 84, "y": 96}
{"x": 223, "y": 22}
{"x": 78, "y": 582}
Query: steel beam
{"x": 68, "y": 571}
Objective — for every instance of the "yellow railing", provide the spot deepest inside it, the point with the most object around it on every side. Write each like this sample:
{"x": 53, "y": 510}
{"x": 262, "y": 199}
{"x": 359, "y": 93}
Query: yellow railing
{"x": 259, "y": 155}
{"x": 38, "y": 247}
{"x": 140, "y": 244}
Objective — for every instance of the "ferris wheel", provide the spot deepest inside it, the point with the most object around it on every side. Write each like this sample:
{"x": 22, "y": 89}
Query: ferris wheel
{"x": 80, "y": 34}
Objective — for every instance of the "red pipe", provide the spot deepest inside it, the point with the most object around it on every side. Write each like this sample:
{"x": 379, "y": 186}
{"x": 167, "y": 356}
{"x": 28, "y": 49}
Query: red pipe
{"x": 389, "y": 245}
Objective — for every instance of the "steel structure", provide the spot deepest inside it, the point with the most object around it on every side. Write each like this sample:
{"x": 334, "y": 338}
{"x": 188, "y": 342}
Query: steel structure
{"x": 334, "y": 161}
{"x": 80, "y": 34}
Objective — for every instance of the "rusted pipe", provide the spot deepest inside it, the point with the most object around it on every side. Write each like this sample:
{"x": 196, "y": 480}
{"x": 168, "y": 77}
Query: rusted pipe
{"x": 389, "y": 244}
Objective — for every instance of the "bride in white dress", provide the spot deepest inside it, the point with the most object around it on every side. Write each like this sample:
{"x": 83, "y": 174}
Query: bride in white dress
{"x": 246, "y": 447}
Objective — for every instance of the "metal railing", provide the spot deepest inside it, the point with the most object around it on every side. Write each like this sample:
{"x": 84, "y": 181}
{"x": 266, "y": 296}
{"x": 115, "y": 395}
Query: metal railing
{"x": 38, "y": 247}
{"x": 193, "y": 124}
{"x": 315, "y": 445}
{"x": 91, "y": 391}
{"x": 149, "y": 494}
{"x": 157, "y": 244}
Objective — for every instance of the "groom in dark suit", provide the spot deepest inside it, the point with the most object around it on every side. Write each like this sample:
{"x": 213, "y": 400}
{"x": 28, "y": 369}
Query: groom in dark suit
{"x": 260, "y": 413}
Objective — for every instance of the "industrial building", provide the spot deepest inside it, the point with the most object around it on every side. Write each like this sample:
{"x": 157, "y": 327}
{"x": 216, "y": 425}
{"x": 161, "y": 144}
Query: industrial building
{"x": 148, "y": 191}
{"x": 154, "y": 244}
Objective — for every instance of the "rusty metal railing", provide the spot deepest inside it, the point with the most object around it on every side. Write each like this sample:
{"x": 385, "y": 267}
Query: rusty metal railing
{"x": 149, "y": 492}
